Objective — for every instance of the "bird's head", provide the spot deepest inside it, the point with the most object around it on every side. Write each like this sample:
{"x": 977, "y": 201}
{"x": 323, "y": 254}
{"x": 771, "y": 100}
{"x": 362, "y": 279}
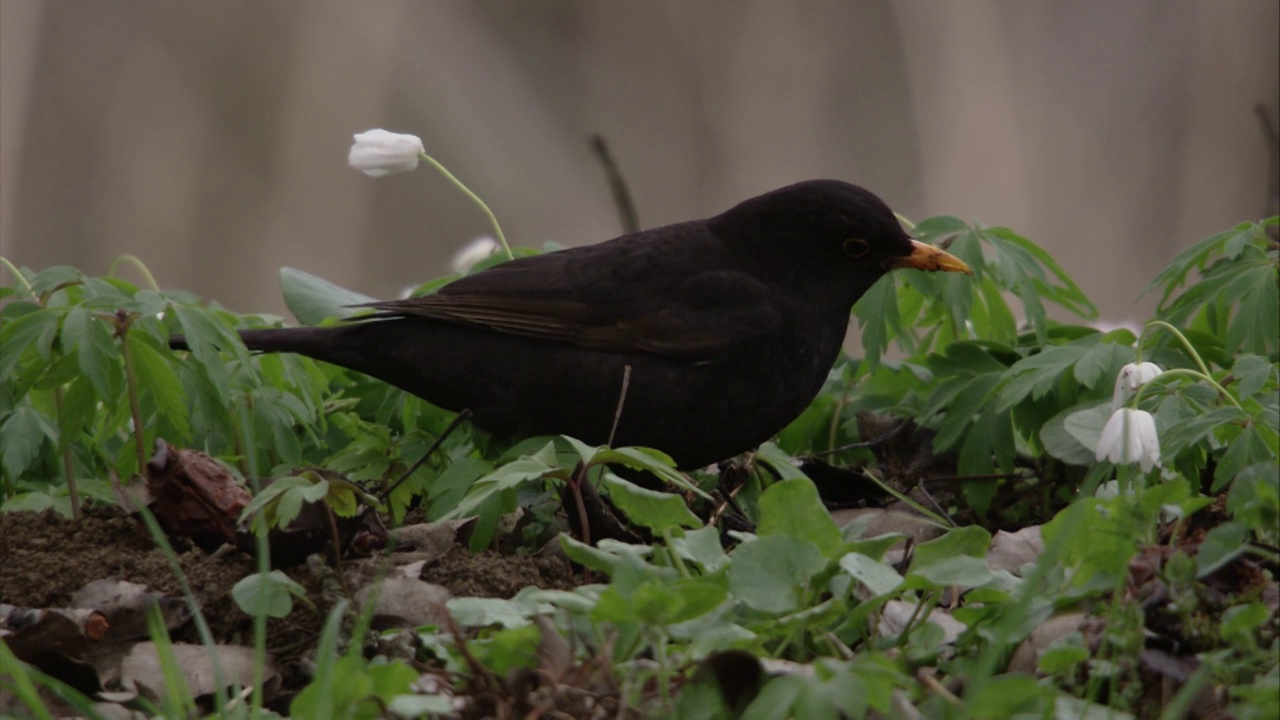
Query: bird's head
{"x": 828, "y": 237}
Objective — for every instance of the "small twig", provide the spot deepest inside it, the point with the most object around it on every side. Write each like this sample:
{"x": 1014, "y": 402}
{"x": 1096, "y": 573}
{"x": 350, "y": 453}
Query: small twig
{"x": 868, "y": 443}
{"x": 575, "y": 487}
{"x": 622, "y": 400}
{"x": 337, "y": 548}
{"x": 992, "y": 476}
{"x": 925, "y": 491}
{"x": 617, "y": 185}
{"x": 464, "y": 415}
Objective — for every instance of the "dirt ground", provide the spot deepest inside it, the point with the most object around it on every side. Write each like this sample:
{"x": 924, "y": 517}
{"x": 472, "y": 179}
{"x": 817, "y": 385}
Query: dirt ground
{"x": 46, "y": 558}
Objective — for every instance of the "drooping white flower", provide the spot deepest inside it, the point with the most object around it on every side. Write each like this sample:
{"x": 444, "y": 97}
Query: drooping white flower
{"x": 379, "y": 152}
{"x": 1132, "y": 377}
{"x": 1129, "y": 437}
{"x": 472, "y": 253}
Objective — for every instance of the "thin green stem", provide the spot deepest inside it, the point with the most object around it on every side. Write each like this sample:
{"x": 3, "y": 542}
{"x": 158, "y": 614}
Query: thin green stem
{"x": 1181, "y": 338}
{"x": 137, "y": 265}
{"x": 131, "y": 384}
{"x": 676, "y": 561}
{"x": 68, "y": 466}
{"x": 17, "y": 275}
{"x": 1183, "y": 372}
{"x": 493, "y": 220}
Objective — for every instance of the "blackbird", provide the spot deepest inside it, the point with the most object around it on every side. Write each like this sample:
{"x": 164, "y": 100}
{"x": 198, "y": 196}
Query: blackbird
{"x": 720, "y": 330}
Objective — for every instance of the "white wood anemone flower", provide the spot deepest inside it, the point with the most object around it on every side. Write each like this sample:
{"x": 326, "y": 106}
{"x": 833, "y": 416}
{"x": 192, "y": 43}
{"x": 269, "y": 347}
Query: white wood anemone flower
{"x": 1129, "y": 437}
{"x": 380, "y": 152}
{"x": 472, "y": 253}
{"x": 1132, "y": 377}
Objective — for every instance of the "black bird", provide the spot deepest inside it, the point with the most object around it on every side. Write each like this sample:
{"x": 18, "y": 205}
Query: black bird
{"x": 728, "y": 326}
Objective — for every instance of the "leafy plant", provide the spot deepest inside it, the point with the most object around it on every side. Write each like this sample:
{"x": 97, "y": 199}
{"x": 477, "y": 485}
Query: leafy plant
{"x": 1027, "y": 420}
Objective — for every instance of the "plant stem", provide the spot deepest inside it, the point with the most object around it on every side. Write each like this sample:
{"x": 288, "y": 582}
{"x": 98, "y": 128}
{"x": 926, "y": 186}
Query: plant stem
{"x": 17, "y": 275}
{"x": 493, "y": 220}
{"x": 67, "y": 466}
{"x": 1182, "y": 372}
{"x": 1181, "y": 338}
{"x": 131, "y": 381}
{"x": 137, "y": 264}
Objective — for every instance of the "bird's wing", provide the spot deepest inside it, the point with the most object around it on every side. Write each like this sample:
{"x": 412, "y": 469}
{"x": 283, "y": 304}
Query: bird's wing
{"x": 633, "y": 298}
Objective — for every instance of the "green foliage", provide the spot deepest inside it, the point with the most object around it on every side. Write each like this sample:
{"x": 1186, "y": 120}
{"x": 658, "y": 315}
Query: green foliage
{"x": 88, "y": 383}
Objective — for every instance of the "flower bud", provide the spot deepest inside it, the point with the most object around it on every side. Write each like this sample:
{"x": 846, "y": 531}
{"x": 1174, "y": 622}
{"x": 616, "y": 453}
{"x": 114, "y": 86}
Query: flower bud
{"x": 1132, "y": 377}
{"x": 379, "y": 152}
{"x": 472, "y": 253}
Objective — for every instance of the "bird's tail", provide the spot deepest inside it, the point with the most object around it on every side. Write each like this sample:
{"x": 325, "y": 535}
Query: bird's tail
{"x": 310, "y": 341}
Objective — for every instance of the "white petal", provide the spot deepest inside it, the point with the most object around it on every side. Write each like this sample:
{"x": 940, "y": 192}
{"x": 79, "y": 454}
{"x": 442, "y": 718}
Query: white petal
{"x": 1128, "y": 377}
{"x": 379, "y": 152}
{"x": 1146, "y": 372}
{"x": 1148, "y": 437}
{"x": 1133, "y": 439}
{"x": 1121, "y": 393}
{"x": 472, "y": 253}
{"x": 1111, "y": 443}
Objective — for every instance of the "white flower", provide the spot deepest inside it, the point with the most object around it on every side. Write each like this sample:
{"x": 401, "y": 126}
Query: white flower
{"x": 472, "y": 253}
{"x": 1132, "y": 377}
{"x": 378, "y": 152}
{"x": 1130, "y": 436}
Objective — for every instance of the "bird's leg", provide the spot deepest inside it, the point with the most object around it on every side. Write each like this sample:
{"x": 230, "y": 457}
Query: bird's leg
{"x": 622, "y": 400}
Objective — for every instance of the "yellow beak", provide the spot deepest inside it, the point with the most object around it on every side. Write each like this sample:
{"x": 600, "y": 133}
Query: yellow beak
{"x": 928, "y": 257}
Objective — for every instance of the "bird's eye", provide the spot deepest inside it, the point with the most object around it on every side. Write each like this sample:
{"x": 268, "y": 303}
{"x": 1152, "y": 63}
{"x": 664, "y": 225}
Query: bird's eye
{"x": 856, "y": 247}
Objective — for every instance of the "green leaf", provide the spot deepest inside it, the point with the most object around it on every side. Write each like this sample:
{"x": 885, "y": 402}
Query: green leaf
{"x": 1005, "y": 696}
{"x": 1221, "y": 545}
{"x": 961, "y": 570}
{"x": 1086, "y": 427}
{"x": 507, "y": 477}
{"x": 792, "y": 508}
{"x": 205, "y": 334}
{"x": 1195, "y": 256}
{"x": 773, "y": 574}
{"x": 1255, "y": 498}
{"x": 971, "y": 541}
{"x": 703, "y": 547}
{"x": 87, "y": 337}
{"x": 659, "y": 604}
{"x": 1259, "y": 307}
{"x": 159, "y": 381}
{"x": 658, "y": 511}
{"x": 448, "y": 489}
{"x": 1069, "y": 446}
{"x": 1191, "y": 430}
{"x": 968, "y": 403}
{"x": 313, "y": 299}
{"x": 1251, "y": 373}
{"x": 1247, "y": 448}
{"x": 649, "y": 460}
{"x": 79, "y": 406}
{"x": 36, "y": 329}
{"x": 1240, "y": 621}
{"x": 876, "y": 575}
{"x": 46, "y": 280}
{"x": 878, "y": 318}
{"x": 782, "y": 464}
{"x": 1038, "y": 375}
{"x": 268, "y": 594}
{"x": 1103, "y": 361}
{"x": 21, "y": 436}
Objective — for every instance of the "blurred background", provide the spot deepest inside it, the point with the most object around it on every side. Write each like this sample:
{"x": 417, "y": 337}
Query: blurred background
{"x": 210, "y": 139}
